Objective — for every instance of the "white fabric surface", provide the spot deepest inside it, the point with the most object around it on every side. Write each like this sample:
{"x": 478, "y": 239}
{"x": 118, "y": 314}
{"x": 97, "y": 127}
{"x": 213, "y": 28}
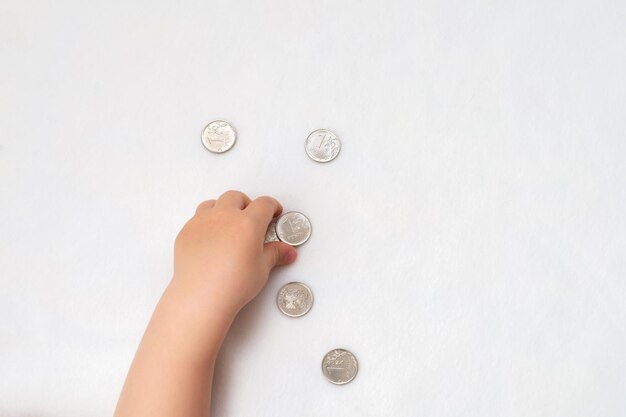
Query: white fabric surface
{"x": 469, "y": 241}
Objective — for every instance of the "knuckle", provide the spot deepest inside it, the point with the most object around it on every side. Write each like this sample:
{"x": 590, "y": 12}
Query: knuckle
{"x": 267, "y": 200}
{"x": 229, "y": 193}
{"x": 205, "y": 204}
{"x": 234, "y": 193}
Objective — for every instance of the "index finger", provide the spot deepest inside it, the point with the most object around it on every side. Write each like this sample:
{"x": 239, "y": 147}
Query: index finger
{"x": 264, "y": 208}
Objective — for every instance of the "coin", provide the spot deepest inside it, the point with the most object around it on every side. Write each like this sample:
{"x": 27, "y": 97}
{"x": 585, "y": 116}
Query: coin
{"x": 270, "y": 234}
{"x": 293, "y": 228}
{"x": 339, "y": 366}
{"x": 294, "y": 299}
{"x": 218, "y": 136}
{"x": 322, "y": 145}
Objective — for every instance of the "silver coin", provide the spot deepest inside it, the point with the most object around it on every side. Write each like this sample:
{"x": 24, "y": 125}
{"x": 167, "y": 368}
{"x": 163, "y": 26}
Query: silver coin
{"x": 322, "y": 145}
{"x": 293, "y": 228}
{"x": 339, "y": 366}
{"x": 294, "y": 299}
{"x": 270, "y": 234}
{"x": 219, "y": 136}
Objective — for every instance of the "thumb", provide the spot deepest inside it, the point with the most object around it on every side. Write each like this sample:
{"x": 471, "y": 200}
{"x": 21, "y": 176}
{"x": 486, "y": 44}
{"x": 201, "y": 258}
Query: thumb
{"x": 278, "y": 253}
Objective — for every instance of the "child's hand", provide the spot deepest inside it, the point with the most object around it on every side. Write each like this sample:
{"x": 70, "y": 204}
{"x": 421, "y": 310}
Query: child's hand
{"x": 220, "y": 264}
{"x": 220, "y": 252}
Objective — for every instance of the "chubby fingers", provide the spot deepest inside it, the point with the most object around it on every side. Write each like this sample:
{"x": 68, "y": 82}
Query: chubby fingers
{"x": 264, "y": 209}
{"x": 232, "y": 199}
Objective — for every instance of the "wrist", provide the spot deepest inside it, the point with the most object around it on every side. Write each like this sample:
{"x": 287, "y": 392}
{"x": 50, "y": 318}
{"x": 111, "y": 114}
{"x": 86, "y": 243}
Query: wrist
{"x": 188, "y": 327}
{"x": 206, "y": 300}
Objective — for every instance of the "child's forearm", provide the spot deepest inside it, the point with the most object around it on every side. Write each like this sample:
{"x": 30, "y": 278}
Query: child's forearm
{"x": 172, "y": 371}
{"x": 221, "y": 262}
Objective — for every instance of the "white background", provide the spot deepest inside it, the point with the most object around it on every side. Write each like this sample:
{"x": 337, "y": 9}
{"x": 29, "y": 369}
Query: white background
{"x": 469, "y": 241}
